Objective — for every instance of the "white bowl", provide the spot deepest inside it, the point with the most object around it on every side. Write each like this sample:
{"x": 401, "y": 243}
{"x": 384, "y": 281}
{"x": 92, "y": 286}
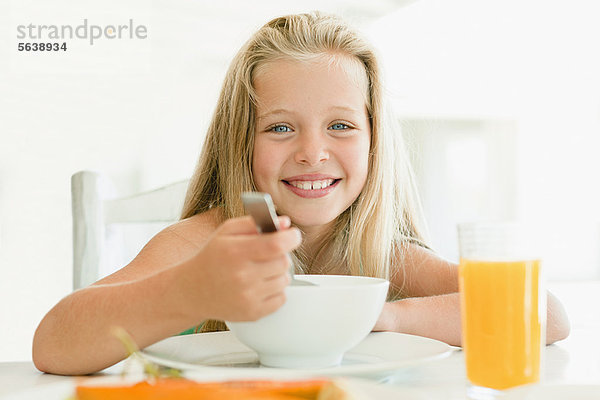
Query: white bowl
{"x": 317, "y": 324}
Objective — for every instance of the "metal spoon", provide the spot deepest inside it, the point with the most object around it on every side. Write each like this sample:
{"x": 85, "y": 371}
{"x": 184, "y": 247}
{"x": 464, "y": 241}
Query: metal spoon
{"x": 260, "y": 207}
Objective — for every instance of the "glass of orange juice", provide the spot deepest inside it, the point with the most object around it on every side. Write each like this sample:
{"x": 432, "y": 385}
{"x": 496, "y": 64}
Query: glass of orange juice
{"x": 503, "y": 307}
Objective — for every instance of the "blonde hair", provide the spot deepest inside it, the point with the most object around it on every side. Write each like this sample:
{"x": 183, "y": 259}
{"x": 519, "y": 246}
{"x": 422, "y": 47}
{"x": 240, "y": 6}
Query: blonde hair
{"x": 383, "y": 218}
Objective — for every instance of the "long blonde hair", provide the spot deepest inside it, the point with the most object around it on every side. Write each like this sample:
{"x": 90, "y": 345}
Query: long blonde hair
{"x": 383, "y": 218}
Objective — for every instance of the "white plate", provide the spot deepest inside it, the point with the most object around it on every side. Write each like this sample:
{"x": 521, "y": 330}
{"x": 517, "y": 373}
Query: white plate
{"x": 376, "y": 357}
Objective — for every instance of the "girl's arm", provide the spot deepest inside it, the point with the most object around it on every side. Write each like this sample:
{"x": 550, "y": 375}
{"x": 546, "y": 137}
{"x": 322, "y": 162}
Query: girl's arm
{"x": 74, "y": 337}
{"x": 432, "y": 306}
{"x": 178, "y": 280}
{"x": 438, "y": 317}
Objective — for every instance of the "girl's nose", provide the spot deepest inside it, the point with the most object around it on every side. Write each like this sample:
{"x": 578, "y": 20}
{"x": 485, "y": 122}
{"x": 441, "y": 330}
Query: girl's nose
{"x": 312, "y": 150}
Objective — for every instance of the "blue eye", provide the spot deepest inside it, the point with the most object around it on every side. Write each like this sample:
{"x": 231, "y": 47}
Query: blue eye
{"x": 339, "y": 127}
{"x": 280, "y": 129}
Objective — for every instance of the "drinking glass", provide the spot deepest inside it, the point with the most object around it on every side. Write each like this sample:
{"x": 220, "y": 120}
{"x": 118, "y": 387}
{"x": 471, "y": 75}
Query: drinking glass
{"x": 503, "y": 307}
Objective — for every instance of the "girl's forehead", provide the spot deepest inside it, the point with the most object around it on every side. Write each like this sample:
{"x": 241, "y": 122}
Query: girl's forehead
{"x": 280, "y": 71}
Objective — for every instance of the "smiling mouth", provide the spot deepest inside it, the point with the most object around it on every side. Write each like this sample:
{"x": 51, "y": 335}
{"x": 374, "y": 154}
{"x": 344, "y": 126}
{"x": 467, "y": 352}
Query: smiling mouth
{"x": 312, "y": 185}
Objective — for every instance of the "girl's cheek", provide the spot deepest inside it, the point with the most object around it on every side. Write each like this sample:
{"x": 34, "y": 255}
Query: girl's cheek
{"x": 357, "y": 155}
{"x": 265, "y": 163}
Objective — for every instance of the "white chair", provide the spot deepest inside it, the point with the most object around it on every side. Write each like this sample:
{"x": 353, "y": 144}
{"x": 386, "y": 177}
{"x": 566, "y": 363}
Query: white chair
{"x": 108, "y": 231}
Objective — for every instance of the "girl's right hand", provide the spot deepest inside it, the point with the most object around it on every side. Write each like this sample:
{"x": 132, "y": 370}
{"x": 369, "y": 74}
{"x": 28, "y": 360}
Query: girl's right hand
{"x": 239, "y": 275}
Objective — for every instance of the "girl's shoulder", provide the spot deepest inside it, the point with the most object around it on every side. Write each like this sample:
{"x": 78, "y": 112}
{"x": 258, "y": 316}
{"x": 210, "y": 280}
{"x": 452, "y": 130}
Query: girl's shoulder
{"x": 420, "y": 272}
{"x": 197, "y": 228}
{"x": 172, "y": 245}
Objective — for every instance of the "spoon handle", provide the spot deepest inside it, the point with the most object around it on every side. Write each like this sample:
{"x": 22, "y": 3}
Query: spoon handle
{"x": 260, "y": 207}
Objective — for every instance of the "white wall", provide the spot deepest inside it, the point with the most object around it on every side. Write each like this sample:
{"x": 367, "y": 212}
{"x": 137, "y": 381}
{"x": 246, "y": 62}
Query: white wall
{"x": 532, "y": 64}
{"x": 137, "y": 110}
{"x": 132, "y": 109}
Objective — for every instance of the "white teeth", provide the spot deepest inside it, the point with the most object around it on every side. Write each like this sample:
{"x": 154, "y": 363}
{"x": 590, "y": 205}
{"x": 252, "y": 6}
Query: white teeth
{"x": 312, "y": 185}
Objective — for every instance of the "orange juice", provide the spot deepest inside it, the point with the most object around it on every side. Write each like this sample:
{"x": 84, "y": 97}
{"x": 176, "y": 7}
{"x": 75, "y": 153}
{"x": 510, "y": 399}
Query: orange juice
{"x": 502, "y": 321}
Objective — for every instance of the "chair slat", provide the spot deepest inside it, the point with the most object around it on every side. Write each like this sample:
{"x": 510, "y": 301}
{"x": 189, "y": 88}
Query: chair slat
{"x": 96, "y": 211}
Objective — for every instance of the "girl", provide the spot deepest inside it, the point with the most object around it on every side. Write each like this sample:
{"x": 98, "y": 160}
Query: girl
{"x": 300, "y": 116}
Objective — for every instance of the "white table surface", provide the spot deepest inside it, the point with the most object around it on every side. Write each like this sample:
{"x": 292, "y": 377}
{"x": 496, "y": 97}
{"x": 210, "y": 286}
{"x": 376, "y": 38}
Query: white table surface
{"x": 574, "y": 361}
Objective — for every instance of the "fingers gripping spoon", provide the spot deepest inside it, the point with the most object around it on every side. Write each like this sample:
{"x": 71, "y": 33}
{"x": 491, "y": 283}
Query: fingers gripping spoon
{"x": 261, "y": 208}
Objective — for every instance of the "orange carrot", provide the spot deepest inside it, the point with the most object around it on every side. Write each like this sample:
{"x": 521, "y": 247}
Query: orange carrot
{"x": 182, "y": 389}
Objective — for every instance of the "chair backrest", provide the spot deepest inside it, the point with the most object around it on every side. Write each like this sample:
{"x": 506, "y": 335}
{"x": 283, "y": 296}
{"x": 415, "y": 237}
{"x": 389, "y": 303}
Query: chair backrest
{"x": 108, "y": 231}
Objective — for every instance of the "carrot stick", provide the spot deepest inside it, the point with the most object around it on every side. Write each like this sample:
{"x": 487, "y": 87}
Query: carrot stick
{"x": 183, "y": 389}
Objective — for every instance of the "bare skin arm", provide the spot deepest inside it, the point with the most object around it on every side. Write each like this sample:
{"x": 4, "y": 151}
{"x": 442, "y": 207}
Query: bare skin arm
{"x": 432, "y": 306}
{"x": 74, "y": 337}
{"x": 177, "y": 281}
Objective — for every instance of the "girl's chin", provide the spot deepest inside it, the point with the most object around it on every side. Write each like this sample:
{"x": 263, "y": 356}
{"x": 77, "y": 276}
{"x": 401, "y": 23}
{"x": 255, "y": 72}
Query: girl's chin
{"x": 308, "y": 215}
{"x": 313, "y": 221}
